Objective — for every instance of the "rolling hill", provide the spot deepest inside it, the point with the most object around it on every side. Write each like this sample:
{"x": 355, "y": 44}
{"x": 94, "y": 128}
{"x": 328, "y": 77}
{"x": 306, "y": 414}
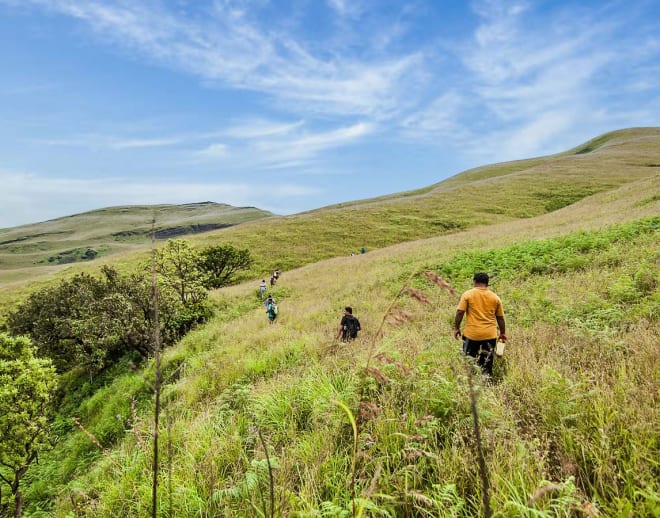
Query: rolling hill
{"x": 104, "y": 232}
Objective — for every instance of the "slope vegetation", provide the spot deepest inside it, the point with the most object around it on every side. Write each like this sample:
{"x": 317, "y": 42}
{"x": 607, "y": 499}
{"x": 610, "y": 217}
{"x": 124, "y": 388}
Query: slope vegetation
{"x": 383, "y": 426}
{"x": 568, "y": 427}
{"x": 483, "y": 196}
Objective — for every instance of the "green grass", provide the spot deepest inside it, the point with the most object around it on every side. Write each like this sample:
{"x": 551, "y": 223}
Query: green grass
{"x": 569, "y": 426}
{"x": 573, "y": 404}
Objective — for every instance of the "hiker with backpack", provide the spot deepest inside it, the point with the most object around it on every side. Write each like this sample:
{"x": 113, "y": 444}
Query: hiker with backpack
{"x": 348, "y": 327}
{"x": 484, "y": 315}
{"x": 262, "y": 288}
{"x": 271, "y": 309}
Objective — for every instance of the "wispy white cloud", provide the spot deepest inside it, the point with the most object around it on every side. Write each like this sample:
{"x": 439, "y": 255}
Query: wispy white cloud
{"x": 290, "y": 146}
{"x": 441, "y": 117}
{"x": 95, "y": 141}
{"x": 303, "y": 146}
{"x": 533, "y": 85}
{"x": 213, "y": 151}
{"x": 252, "y": 129}
{"x": 349, "y": 8}
{"x": 232, "y": 48}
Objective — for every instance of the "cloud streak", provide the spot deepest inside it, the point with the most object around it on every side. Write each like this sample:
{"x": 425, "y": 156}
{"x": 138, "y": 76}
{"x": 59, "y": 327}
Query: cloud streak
{"x": 231, "y": 48}
{"x": 533, "y": 85}
{"x": 272, "y": 145}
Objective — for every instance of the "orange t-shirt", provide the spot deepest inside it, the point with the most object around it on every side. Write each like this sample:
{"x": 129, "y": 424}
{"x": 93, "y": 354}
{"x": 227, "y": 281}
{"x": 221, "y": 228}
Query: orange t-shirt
{"x": 481, "y": 306}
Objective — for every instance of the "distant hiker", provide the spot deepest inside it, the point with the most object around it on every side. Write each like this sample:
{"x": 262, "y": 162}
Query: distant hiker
{"x": 349, "y": 326}
{"x": 363, "y": 250}
{"x": 262, "y": 288}
{"x": 484, "y": 315}
{"x": 271, "y": 310}
{"x": 273, "y": 280}
{"x": 269, "y": 300}
{"x": 276, "y": 274}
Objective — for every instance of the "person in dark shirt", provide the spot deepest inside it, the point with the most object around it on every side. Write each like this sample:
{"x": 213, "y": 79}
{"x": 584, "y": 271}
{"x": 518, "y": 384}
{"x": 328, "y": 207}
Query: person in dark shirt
{"x": 348, "y": 327}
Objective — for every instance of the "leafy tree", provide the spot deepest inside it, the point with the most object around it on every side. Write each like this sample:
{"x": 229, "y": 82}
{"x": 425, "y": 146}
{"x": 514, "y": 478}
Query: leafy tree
{"x": 27, "y": 385}
{"x": 178, "y": 265}
{"x": 53, "y": 317}
{"x": 91, "y": 322}
{"x": 220, "y": 263}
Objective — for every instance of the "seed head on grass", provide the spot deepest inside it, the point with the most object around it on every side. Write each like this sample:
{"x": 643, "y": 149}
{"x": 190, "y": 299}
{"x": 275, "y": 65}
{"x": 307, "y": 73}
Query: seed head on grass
{"x": 134, "y": 426}
{"x": 417, "y": 294}
{"x": 434, "y": 277}
{"x": 372, "y": 485}
{"x": 423, "y": 420}
{"x": 399, "y": 316}
{"x": 91, "y": 436}
{"x": 385, "y": 358}
{"x": 541, "y": 492}
{"x": 421, "y": 499}
{"x": 377, "y": 375}
{"x": 368, "y": 411}
{"x": 106, "y": 452}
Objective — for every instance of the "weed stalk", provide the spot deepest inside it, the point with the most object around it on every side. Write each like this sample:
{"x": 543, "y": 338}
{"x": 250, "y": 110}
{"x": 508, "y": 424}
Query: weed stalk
{"x": 157, "y": 388}
{"x": 271, "y": 481}
{"x": 483, "y": 470}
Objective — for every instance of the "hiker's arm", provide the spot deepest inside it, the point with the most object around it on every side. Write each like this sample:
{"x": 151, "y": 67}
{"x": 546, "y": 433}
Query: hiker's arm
{"x": 502, "y": 325}
{"x": 457, "y": 323}
{"x": 340, "y": 328}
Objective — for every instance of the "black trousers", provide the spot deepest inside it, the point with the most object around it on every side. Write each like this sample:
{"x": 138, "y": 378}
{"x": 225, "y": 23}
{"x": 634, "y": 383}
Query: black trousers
{"x": 483, "y": 351}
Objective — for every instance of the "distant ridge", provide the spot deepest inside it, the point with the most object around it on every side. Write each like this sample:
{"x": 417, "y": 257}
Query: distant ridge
{"x": 101, "y": 232}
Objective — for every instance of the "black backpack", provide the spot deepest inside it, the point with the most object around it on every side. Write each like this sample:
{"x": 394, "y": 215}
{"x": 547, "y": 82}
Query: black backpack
{"x": 351, "y": 327}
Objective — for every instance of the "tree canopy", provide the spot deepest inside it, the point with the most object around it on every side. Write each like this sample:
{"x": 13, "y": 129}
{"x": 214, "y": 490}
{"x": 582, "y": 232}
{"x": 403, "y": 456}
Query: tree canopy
{"x": 27, "y": 384}
{"x": 92, "y": 321}
{"x": 220, "y": 263}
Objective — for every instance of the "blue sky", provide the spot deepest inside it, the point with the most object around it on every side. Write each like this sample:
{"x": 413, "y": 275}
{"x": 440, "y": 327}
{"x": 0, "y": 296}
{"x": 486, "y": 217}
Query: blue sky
{"x": 293, "y": 105}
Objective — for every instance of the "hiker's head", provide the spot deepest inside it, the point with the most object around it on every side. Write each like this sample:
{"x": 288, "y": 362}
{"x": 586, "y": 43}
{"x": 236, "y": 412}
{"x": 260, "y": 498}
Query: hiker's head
{"x": 349, "y": 310}
{"x": 481, "y": 278}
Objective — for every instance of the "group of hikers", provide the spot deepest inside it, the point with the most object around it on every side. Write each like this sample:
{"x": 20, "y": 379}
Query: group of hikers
{"x": 271, "y": 306}
{"x": 481, "y": 308}
{"x": 273, "y": 281}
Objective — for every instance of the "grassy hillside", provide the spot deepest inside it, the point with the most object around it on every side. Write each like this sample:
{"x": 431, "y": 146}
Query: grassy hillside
{"x": 99, "y": 233}
{"x": 569, "y": 426}
{"x": 383, "y": 427}
{"x": 32, "y": 256}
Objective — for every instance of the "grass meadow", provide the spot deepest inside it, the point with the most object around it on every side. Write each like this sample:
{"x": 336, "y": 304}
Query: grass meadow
{"x": 383, "y": 426}
{"x": 281, "y": 420}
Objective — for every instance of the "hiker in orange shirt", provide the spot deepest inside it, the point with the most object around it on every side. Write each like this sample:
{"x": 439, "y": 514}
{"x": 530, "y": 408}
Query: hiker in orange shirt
{"x": 483, "y": 316}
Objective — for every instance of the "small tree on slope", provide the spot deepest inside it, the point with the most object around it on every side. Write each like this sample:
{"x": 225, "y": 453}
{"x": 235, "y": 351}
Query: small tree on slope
{"x": 27, "y": 384}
